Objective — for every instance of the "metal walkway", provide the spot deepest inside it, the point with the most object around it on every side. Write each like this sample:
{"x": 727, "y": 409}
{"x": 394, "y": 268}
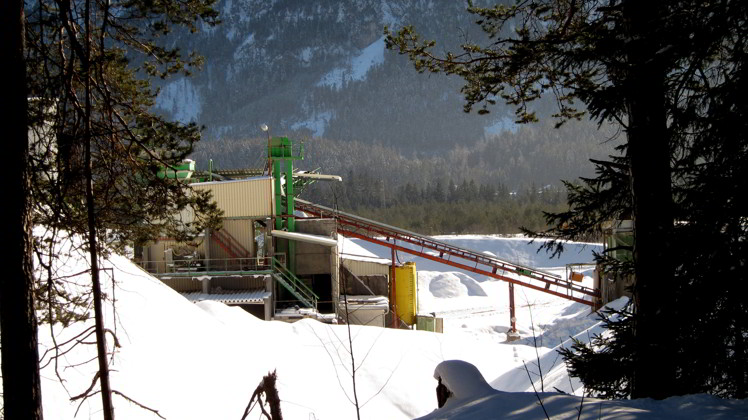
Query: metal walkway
{"x": 462, "y": 258}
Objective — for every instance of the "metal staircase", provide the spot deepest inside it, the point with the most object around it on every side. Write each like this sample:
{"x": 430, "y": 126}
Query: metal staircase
{"x": 281, "y": 273}
{"x": 293, "y": 284}
{"x": 229, "y": 244}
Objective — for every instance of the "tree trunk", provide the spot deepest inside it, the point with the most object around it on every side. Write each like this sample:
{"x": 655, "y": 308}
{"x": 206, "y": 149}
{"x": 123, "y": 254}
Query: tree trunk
{"x": 101, "y": 350}
{"x": 649, "y": 157}
{"x": 22, "y": 396}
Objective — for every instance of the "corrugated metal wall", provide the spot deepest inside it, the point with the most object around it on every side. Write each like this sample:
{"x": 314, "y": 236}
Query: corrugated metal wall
{"x": 184, "y": 284}
{"x": 238, "y": 283}
{"x": 243, "y": 198}
{"x": 241, "y": 230}
{"x": 240, "y": 201}
{"x": 366, "y": 268}
{"x": 191, "y": 284}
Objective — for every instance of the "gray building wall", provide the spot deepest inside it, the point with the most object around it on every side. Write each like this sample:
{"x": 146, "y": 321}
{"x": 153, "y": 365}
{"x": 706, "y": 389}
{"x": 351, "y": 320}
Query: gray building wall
{"x": 319, "y": 259}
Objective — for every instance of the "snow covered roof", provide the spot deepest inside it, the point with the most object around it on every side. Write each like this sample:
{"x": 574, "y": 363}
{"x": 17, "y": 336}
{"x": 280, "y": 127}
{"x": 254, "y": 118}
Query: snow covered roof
{"x": 367, "y": 298}
{"x": 367, "y": 302}
{"x": 230, "y": 297}
{"x": 251, "y": 178}
{"x": 349, "y": 250}
{"x": 302, "y": 174}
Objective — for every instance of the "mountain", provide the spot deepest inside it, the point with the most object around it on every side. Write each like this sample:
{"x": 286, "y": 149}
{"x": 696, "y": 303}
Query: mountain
{"x": 321, "y": 69}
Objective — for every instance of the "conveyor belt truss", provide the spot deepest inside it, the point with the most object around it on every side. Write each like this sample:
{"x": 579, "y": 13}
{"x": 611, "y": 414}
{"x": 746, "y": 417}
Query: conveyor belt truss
{"x": 462, "y": 258}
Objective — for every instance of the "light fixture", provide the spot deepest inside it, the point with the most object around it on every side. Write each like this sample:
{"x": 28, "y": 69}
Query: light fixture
{"x": 266, "y": 129}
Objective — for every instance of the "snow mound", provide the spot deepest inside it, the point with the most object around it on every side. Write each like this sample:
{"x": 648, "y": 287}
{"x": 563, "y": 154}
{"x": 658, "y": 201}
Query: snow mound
{"x": 474, "y": 399}
{"x": 453, "y": 284}
{"x": 462, "y": 379}
{"x": 351, "y": 250}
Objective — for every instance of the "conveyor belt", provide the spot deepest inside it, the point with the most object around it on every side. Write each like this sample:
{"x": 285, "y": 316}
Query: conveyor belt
{"x": 465, "y": 259}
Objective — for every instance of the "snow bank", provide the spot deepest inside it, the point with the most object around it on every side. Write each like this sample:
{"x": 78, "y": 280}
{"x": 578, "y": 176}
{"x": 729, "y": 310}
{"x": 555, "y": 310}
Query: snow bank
{"x": 474, "y": 399}
{"x": 462, "y": 379}
{"x": 200, "y": 361}
{"x": 197, "y": 361}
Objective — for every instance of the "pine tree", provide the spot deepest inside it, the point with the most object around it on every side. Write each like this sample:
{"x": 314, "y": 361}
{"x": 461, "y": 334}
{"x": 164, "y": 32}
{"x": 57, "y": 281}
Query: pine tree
{"x": 100, "y": 153}
{"x": 20, "y": 357}
{"x": 660, "y": 70}
{"x": 130, "y": 144}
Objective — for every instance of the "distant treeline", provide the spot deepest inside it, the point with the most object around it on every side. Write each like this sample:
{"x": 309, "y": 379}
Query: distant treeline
{"x": 495, "y": 185}
{"x": 441, "y": 208}
{"x": 531, "y": 154}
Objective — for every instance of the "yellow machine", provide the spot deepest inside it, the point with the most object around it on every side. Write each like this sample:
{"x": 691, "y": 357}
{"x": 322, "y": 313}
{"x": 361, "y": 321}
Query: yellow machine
{"x": 406, "y": 292}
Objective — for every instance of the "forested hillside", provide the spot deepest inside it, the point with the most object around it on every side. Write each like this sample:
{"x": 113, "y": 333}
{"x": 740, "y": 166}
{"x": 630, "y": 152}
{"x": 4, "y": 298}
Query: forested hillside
{"x": 500, "y": 183}
{"x": 319, "y": 72}
{"x": 321, "y": 69}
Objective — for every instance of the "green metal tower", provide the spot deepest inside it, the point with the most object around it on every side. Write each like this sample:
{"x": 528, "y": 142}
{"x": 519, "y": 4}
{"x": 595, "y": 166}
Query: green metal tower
{"x": 280, "y": 152}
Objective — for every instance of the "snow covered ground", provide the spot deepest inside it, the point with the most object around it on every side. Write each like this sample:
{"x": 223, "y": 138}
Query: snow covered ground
{"x": 476, "y": 399}
{"x": 202, "y": 361}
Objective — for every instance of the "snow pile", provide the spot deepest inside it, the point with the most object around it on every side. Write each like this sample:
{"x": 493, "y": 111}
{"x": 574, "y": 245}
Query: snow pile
{"x": 463, "y": 380}
{"x": 451, "y": 285}
{"x": 351, "y": 250}
{"x": 474, "y": 399}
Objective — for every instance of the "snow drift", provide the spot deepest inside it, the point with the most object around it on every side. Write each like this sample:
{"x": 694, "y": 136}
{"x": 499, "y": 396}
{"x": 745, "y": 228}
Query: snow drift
{"x": 198, "y": 361}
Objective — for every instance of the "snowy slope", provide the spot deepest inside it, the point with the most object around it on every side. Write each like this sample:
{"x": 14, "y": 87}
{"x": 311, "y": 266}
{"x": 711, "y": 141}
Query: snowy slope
{"x": 203, "y": 361}
{"x": 321, "y": 69}
{"x": 473, "y": 398}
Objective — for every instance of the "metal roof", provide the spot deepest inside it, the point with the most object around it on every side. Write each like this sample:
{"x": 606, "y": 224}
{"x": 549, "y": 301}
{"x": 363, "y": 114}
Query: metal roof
{"x": 230, "y": 297}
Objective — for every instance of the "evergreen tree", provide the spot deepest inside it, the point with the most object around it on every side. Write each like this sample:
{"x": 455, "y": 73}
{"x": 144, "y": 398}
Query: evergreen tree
{"x": 660, "y": 70}
{"x": 100, "y": 154}
{"x": 130, "y": 145}
{"x": 20, "y": 358}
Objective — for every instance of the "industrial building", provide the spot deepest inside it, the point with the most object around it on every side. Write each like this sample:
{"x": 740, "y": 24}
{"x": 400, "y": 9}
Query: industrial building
{"x": 280, "y": 257}
{"x": 272, "y": 261}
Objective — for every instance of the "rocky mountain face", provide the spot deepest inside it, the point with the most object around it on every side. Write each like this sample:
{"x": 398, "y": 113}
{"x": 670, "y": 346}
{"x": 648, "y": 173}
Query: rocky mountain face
{"x": 320, "y": 69}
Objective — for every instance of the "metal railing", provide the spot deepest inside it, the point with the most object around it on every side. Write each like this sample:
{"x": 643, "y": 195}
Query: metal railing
{"x": 198, "y": 266}
{"x": 416, "y": 244}
{"x": 274, "y": 265}
{"x": 294, "y": 285}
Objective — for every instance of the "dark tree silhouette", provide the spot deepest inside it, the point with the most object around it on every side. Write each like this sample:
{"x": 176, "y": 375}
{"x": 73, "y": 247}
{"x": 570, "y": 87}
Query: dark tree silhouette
{"x": 20, "y": 359}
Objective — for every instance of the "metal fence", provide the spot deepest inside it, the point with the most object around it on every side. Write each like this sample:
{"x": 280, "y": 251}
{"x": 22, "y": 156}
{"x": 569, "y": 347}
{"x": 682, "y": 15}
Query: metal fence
{"x": 205, "y": 265}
